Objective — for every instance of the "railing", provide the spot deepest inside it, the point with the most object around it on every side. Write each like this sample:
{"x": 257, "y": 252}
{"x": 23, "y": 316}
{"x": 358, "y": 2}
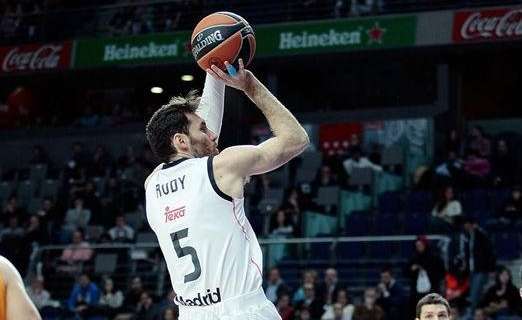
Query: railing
{"x": 292, "y": 255}
{"x": 170, "y": 15}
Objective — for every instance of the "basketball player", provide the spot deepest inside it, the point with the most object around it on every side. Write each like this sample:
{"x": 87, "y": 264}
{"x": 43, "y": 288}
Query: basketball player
{"x": 432, "y": 307}
{"x": 195, "y": 203}
{"x": 14, "y": 301}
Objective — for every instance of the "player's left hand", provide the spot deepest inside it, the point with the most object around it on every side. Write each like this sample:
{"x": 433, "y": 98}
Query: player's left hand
{"x": 242, "y": 80}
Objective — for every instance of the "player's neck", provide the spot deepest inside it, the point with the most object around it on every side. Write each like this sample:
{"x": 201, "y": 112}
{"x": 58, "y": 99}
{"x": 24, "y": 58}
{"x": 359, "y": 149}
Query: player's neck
{"x": 181, "y": 155}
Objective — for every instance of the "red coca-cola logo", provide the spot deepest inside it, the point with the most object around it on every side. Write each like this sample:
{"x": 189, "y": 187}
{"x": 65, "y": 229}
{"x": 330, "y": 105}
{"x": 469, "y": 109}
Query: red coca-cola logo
{"x": 35, "y": 57}
{"x": 494, "y": 24}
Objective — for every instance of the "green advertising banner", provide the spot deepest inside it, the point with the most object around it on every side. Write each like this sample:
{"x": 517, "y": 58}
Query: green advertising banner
{"x": 146, "y": 49}
{"x": 336, "y": 35}
{"x": 272, "y": 40}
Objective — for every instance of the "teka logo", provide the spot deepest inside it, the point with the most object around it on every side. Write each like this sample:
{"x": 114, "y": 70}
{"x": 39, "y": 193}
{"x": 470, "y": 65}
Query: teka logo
{"x": 173, "y": 214}
{"x": 205, "y": 300}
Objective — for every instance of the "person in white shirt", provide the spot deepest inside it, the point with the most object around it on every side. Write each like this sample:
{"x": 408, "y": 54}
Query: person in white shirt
{"x": 358, "y": 161}
{"x": 38, "y": 294}
{"x": 121, "y": 232}
{"x": 445, "y": 211}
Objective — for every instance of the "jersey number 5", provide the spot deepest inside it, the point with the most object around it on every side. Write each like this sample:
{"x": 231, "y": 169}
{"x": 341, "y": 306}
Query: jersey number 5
{"x": 185, "y": 251}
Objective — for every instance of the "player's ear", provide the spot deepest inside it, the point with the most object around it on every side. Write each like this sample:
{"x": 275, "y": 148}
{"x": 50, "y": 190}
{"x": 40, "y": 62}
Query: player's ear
{"x": 180, "y": 141}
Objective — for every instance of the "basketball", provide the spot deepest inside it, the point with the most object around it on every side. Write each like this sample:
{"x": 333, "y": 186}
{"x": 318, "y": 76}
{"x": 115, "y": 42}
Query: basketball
{"x": 220, "y": 37}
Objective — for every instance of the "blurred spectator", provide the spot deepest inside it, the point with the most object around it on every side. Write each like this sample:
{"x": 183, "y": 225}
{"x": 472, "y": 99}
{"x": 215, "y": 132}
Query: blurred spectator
{"x": 454, "y": 312}
{"x": 84, "y": 297}
{"x": 146, "y": 309}
{"x": 309, "y": 276}
{"x": 285, "y": 310}
{"x": 479, "y": 143}
{"x": 391, "y": 295}
{"x": 169, "y": 313}
{"x": 304, "y": 314}
{"x": 134, "y": 293}
{"x": 327, "y": 291}
{"x": 38, "y": 294}
{"x": 480, "y": 315}
{"x": 502, "y": 299}
{"x": 275, "y": 286}
{"x": 451, "y": 169}
{"x": 12, "y": 209}
{"x": 478, "y": 169}
{"x": 425, "y": 270}
{"x": 280, "y": 226}
{"x": 77, "y": 217}
{"x": 359, "y": 161}
{"x": 445, "y": 211}
{"x": 457, "y": 282}
{"x": 325, "y": 178}
{"x": 121, "y": 232}
{"x": 368, "y": 310}
{"x": 12, "y": 245}
{"x": 76, "y": 253}
{"x": 341, "y": 309}
{"x": 293, "y": 205}
{"x": 111, "y": 300}
{"x": 504, "y": 166}
{"x": 39, "y": 156}
{"x": 311, "y": 302}
{"x": 511, "y": 211}
{"x": 365, "y": 7}
{"x": 35, "y": 232}
{"x": 100, "y": 164}
{"x": 47, "y": 214}
{"x": 355, "y": 145}
{"x": 477, "y": 249}
{"x": 454, "y": 143}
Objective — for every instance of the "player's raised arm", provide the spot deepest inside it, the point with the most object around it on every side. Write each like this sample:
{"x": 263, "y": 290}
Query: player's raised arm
{"x": 290, "y": 138}
{"x": 19, "y": 305}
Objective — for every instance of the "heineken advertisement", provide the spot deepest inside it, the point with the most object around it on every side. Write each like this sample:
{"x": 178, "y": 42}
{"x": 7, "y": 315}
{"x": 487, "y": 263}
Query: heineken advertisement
{"x": 275, "y": 39}
{"x": 156, "y": 48}
{"x": 336, "y": 35}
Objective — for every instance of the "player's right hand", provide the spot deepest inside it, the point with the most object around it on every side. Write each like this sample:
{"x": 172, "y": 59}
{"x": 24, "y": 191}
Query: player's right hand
{"x": 243, "y": 80}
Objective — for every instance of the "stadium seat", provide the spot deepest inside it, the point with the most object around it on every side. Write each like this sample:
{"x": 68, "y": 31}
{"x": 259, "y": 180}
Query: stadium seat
{"x": 34, "y": 205}
{"x": 361, "y": 177}
{"x": 146, "y": 237}
{"x": 416, "y": 223}
{"x": 105, "y": 263}
{"x": 419, "y": 201}
{"x": 349, "y": 250}
{"x": 37, "y": 173}
{"x": 25, "y": 192}
{"x": 278, "y": 178}
{"x": 507, "y": 245}
{"x": 387, "y": 224}
{"x": 49, "y": 189}
{"x": 390, "y": 202}
{"x": 358, "y": 223}
{"x": 275, "y": 194}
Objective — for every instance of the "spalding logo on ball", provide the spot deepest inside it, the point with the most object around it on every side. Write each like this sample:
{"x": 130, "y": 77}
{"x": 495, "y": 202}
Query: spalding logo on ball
{"x": 220, "y": 37}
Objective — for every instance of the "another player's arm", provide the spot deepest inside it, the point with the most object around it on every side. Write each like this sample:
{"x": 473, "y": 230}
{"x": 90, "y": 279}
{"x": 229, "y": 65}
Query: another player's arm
{"x": 233, "y": 164}
{"x": 19, "y": 305}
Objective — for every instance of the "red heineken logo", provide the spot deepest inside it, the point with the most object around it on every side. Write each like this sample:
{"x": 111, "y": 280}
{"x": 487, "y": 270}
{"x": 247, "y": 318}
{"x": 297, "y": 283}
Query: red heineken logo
{"x": 375, "y": 33}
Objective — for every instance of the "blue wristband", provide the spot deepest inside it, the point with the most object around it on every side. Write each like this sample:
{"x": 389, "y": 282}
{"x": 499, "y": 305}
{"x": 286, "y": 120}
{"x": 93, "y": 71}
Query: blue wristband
{"x": 231, "y": 70}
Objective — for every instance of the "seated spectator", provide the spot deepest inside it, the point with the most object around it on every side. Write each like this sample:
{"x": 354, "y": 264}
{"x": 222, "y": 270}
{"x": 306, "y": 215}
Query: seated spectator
{"x": 169, "y": 313}
{"x": 327, "y": 290}
{"x": 280, "y": 226}
{"x": 48, "y": 214}
{"x": 77, "y": 217}
{"x": 368, "y": 310}
{"x": 275, "y": 286}
{"x": 325, "y": 178}
{"x": 478, "y": 143}
{"x": 121, "y": 232}
{"x": 285, "y": 310}
{"x": 146, "y": 309}
{"x": 84, "y": 297}
{"x": 457, "y": 282}
{"x": 477, "y": 167}
{"x": 451, "y": 169}
{"x": 111, "y": 299}
{"x": 359, "y": 161}
{"x": 512, "y": 210}
{"x": 426, "y": 271}
{"x": 101, "y": 163}
{"x": 11, "y": 208}
{"x": 38, "y": 294}
{"x": 309, "y": 276}
{"x": 502, "y": 299}
{"x": 35, "y": 232}
{"x": 341, "y": 309}
{"x": 311, "y": 302}
{"x": 504, "y": 165}
{"x": 454, "y": 143}
{"x": 445, "y": 211}
{"x": 76, "y": 253}
{"x": 391, "y": 295}
{"x": 132, "y": 296}
{"x": 293, "y": 204}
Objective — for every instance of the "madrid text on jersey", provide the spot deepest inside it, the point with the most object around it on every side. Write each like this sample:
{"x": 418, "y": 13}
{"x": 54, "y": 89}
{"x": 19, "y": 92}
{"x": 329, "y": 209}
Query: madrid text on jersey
{"x": 208, "y": 299}
{"x": 172, "y": 186}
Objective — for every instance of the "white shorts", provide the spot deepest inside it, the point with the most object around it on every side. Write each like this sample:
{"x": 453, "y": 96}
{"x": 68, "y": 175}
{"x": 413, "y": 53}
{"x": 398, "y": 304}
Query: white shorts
{"x": 251, "y": 306}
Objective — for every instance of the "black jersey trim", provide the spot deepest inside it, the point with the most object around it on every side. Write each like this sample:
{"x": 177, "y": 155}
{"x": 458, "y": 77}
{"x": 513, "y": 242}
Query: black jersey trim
{"x": 173, "y": 163}
{"x": 210, "y": 170}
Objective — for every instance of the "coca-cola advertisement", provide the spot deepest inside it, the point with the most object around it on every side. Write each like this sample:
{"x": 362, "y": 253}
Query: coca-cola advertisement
{"x": 35, "y": 57}
{"x": 488, "y": 25}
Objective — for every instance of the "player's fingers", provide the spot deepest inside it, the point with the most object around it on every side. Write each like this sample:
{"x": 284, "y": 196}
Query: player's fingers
{"x": 241, "y": 65}
{"x": 213, "y": 74}
{"x": 220, "y": 73}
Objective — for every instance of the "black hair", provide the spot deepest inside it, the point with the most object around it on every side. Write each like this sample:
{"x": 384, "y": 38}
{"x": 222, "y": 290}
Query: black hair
{"x": 432, "y": 298}
{"x": 169, "y": 120}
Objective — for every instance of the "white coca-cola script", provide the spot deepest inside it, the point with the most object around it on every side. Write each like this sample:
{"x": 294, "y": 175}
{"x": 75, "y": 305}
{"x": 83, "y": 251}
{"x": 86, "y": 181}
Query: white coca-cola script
{"x": 502, "y": 25}
{"x": 44, "y": 57}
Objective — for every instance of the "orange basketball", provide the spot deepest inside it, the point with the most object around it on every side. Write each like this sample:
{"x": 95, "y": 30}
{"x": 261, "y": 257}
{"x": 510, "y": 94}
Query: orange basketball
{"x": 220, "y": 37}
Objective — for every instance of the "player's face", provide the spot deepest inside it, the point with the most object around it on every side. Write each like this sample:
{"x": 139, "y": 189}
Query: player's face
{"x": 434, "y": 312}
{"x": 202, "y": 140}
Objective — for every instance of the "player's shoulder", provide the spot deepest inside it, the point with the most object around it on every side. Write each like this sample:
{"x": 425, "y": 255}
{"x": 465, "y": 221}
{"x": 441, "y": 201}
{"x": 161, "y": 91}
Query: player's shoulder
{"x": 152, "y": 174}
{"x": 7, "y": 269}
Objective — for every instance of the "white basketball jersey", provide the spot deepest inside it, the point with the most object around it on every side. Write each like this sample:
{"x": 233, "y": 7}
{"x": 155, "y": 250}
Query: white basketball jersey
{"x": 211, "y": 251}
